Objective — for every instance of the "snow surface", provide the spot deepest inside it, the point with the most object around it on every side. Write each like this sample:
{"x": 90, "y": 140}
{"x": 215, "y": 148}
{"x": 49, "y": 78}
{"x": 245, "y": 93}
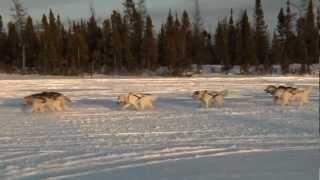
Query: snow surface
{"x": 95, "y": 138}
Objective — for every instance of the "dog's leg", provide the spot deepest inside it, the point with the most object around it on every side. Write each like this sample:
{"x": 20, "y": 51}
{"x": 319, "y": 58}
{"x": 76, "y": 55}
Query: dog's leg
{"x": 151, "y": 106}
{"x": 137, "y": 106}
{"x": 126, "y": 106}
{"x": 209, "y": 104}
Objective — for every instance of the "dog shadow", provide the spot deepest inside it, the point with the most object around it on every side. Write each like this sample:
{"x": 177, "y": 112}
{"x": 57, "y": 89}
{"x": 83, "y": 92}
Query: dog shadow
{"x": 12, "y": 103}
{"x": 181, "y": 102}
{"x": 102, "y": 103}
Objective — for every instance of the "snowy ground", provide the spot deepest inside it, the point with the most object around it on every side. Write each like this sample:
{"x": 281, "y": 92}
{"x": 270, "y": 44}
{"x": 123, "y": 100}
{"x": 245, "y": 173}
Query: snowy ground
{"x": 94, "y": 138}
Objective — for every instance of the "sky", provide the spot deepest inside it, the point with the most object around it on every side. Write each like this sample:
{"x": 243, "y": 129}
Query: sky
{"x": 212, "y": 10}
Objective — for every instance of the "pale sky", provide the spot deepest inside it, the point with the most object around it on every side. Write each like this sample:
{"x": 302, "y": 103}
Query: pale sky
{"x": 212, "y": 10}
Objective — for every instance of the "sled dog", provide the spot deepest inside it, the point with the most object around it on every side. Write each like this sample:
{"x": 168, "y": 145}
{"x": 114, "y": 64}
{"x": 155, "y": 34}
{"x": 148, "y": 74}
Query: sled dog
{"x": 273, "y": 89}
{"x": 137, "y": 101}
{"x": 287, "y": 96}
{"x": 51, "y": 100}
{"x": 210, "y": 98}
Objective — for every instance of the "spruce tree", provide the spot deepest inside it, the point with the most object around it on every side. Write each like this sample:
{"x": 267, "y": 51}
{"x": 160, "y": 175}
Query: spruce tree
{"x": 247, "y": 58}
{"x": 116, "y": 21}
{"x": 276, "y": 50}
{"x": 14, "y": 61}
{"x": 1, "y": 25}
{"x": 107, "y": 49}
{"x": 221, "y": 45}
{"x": 261, "y": 36}
{"x": 162, "y": 41}
{"x": 284, "y": 32}
{"x": 301, "y": 51}
{"x": 312, "y": 35}
{"x": 150, "y": 53}
{"x": 31, "y": 43}
{"x": 232, "y": 40}
{"x": 93, "y": 39}
{"x": 186, "y": 41}
{"x": 2, "y": 45}
{"x": 170, "y": 46}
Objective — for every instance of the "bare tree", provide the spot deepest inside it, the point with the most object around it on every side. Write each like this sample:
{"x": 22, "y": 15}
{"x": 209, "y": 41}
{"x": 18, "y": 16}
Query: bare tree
{"x": 142, "y": 8}
{"x": 197, "y": 18}
{"x": 20, "y": 16}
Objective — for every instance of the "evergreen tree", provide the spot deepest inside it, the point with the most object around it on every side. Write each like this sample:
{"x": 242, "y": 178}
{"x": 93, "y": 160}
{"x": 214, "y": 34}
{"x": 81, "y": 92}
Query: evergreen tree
{"x": 31, "y": 44}
{"x": 247, "y": 58}
{"x": 94, "y": 37}
{"x": 221, "y": 45}
{"x": 13, "y": 61}
{"x": 276, "y": 50}
{"x": 1, "y": 25}
{"x": 44, "y": 42}
{"x": 261, "y": 36}
{"x": 52, "y": 42}
{"x": 186, "y": 41}
{"x": 288, "y": 53}
{"x": 150, "y": 54}
{"x": 300, "y": 46}
{"x": 281, "y": 25}
{"x": 197, "y": 40}
{"x": 80, "y": 50}
{"x": 117, "y": 44}
{"x": 162, "y": 41}
{"x": 312, "y": 36}
{"x": 107, "y": 50}
{"x": 232, "y": 40}
{"x": 2, "y": 45}
{"x": 136, "y": 40}
{"x": 170, "y": 46}
{"x": 284, "y": 35}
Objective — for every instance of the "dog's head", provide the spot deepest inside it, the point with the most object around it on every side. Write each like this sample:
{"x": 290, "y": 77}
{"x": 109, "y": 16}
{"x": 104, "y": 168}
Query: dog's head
{"x": 270, "y": 89}
{"x": 34, "y": 99}
{"x": 122, "y": 99}
{"x": 198, "y": 94}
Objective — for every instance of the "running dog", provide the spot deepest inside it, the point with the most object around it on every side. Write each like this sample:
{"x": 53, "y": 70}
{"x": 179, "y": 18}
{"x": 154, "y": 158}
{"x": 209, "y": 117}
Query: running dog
{"x": 138, "y": 101}
{"x": 210, "y": 98}
{"x": 273, "y": 89}
{"x": 286, "y": 96}
{"x": 51, "y": 100}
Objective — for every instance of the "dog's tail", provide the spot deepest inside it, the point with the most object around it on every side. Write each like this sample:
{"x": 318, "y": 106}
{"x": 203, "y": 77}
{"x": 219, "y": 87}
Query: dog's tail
{"x": 224, "y": 93}
{"x": 154, "y": 98}
{"x": 67, "y": 99}
{"x": 308, "y": 89}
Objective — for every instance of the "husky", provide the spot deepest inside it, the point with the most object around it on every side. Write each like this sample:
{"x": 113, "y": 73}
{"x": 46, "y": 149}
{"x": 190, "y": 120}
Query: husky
{"x": 302, "y": 96}
{"x": 287, "y": 96}
{"x": 52, "y": 100}
{"x": 210, "y": 98}
{"x": 138, "y": 101}
{"x": 273, "y": 89}
{"x": 36, "y": 103}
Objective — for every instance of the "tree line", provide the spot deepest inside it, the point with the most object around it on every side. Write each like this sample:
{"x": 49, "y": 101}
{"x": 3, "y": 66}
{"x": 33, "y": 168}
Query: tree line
{"x": 127, "y": 42}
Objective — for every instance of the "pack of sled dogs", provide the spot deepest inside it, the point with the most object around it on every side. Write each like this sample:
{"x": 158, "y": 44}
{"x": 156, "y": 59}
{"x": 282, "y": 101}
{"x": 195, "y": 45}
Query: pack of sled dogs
{"x": 55, "y": 101}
